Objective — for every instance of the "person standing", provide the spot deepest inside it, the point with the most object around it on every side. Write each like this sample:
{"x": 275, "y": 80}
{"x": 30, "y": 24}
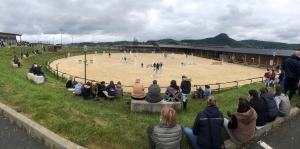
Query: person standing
{"x": 291, "y": 67}
{"x": 21, "y": 54}
{"x": 185, "y": 89}
{"x": 109, "y": 55}
{"x": 267, "y": 78}
{"x": 142, "y": 65}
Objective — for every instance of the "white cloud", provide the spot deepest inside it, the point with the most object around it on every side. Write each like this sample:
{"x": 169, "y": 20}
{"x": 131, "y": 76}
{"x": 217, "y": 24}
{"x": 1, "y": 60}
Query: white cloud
{"x": 113, "y": 20}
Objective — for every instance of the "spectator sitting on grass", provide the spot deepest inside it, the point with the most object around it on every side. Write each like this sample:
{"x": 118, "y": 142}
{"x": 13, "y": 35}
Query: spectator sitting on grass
{"x": 153, "y": 95}
{"x": 69, "y": 83}
{"x": 78, "y": 89}
{"x": 87, "y": 92}
{"x": 118, "y": 90}
{"x": 207, "y": 92}
{"x": 138, "y": 92}
{"x": 167, "y": 135}
{"x": 110, "y": 89}
{"x": 260, "y": 108}
{"x": 241, "y": 127}
{"x": 268, "y": 97}
{"x": 101, "y": 88}
{"x": 282, "y": 102}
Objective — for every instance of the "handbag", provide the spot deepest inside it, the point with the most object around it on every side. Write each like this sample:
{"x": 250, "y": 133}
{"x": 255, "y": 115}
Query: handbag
{"x": 210, "y": 135}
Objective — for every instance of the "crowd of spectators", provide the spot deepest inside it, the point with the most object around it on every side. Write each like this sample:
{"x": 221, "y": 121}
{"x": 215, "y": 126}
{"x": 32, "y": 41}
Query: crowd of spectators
{"x": 263, "y": 107}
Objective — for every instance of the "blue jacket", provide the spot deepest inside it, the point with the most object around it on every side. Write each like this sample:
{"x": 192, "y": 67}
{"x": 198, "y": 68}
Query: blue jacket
{"x": 201, "y": 127}
{"x": 291, "y": 67}
{"x": 111, "y": 90}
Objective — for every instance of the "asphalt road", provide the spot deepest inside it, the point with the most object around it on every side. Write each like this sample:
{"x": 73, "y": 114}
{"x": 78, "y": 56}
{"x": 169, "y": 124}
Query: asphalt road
{"x": 286, "y": 137}
{"x": 12, "y": 137}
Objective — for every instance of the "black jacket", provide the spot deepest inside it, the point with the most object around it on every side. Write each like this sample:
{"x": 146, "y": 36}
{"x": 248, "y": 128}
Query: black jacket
{"x": 87, "y": 91}
{"x": 69, "y": 84}
{"x": 186, "y": 85}
{"x": 291, "y": 67}
{"x": 260, "y": 108}
{"x": 201, "y": 127}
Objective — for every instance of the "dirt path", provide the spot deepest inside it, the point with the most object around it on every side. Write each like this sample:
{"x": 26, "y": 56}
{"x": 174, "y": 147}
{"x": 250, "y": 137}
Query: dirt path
{"x": 106, "y": 69}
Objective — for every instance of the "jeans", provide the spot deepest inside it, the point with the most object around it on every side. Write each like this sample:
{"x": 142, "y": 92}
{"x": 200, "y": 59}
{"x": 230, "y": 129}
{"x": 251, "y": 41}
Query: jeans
{"x": 42, "y": 74}
{"x": 281, "y": 114}
{"x": 225, "y": 124}
{"x": 188, "y": 131}
{"x": 91, "y": 96}
{"x": 267, "y": 82}
{"x": 184, "y": 97}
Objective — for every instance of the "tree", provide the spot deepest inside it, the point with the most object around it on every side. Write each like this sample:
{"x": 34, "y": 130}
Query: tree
{"x": 135, "y": 41}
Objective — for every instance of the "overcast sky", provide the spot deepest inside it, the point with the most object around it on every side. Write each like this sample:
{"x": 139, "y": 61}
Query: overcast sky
{"x": 116, "y": 20}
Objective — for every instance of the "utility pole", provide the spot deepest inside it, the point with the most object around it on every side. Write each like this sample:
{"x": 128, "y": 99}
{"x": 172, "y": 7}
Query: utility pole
{"x": 61, "y": 37}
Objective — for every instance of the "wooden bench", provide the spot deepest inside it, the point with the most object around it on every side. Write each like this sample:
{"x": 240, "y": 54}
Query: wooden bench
{"x": 35, "y": 78}
{"x": 143, "y": 105}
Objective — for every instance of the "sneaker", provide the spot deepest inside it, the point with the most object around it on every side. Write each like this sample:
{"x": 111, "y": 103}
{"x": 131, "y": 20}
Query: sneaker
{"x": 229, "y": 114}
{"x": 298, "y": 105}
{"x": 96, "y": 99}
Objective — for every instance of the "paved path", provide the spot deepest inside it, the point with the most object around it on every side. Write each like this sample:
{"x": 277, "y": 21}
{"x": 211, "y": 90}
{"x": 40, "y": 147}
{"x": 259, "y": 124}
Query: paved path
{"x": 12, "y": 137}
{"x": 286, "y": 137}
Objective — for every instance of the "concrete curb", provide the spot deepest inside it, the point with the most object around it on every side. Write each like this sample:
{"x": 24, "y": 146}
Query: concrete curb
{"x": 230, "y": 145}
{"x": 38, "y": 131}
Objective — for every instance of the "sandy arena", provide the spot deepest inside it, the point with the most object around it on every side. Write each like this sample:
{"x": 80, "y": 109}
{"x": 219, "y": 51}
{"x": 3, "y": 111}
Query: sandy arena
{"x": 106, "y": 69}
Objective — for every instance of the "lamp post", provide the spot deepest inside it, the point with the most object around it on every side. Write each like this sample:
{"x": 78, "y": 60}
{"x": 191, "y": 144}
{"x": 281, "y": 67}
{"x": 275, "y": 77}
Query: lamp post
{"x": 72, "y": 41}
{"x": 84, "y": 49}
{"x": 57, "y": 71}
{"x": 93, "y": 41}
{"x": 61, "y": 37}
{"x": 273, "y": 59}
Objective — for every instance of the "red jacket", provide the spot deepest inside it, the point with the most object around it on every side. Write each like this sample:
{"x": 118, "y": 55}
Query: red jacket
{"x": 267, "y": 75}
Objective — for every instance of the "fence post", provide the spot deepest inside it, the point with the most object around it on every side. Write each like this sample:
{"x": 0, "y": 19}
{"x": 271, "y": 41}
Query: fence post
{"x": 218, "y": 87}
{"x": 62, "y": 76}
{"x": 262, "y": 79}
{"x": 250, "y": 81}
{"x": 74, "y": 79}
{"x": 237, "y": 84}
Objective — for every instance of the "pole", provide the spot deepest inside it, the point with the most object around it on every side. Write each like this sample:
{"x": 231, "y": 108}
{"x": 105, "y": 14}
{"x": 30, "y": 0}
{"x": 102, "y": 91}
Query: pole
{"x": 85, "y": 49}
{"x": 72, "y": 41}
{"x": 57, "y": 71}
{"x": 60, "y": 37}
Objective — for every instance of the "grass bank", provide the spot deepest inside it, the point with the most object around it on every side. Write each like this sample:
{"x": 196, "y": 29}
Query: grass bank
{"x": 100, "y": 124}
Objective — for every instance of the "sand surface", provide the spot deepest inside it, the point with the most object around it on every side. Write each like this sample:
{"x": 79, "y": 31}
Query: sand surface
{"x": 106, "y": 69}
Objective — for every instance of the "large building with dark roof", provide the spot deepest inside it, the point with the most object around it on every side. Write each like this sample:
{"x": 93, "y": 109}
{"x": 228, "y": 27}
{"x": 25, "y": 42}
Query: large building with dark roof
{"x": 9, "y": 37}
{"x": 258, "y": 57}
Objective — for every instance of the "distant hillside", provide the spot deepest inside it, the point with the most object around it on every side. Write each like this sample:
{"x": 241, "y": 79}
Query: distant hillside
{"x": 269, "y": 45}
{"x": 219, "y": 40}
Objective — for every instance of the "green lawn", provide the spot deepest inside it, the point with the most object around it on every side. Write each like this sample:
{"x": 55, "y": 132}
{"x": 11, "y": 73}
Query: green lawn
{"x": 92, "y": 124}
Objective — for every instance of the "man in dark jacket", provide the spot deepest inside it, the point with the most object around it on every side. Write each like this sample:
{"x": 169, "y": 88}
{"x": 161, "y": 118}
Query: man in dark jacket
{"x": 153, "y": 94}
{"x": 200, "y": 135}
{"x": 291, "y": 67}
{"x": 260, "y": 108}
{"x": 186, "y": 89}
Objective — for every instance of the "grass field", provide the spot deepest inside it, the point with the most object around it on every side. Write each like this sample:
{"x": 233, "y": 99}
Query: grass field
{"x": 101, "y": 124}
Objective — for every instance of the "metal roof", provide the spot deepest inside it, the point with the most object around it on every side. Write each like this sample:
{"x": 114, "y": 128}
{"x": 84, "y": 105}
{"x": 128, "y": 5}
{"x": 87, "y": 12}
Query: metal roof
{"x": 270, "y": 52}
{"x": 10, "y": 34}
